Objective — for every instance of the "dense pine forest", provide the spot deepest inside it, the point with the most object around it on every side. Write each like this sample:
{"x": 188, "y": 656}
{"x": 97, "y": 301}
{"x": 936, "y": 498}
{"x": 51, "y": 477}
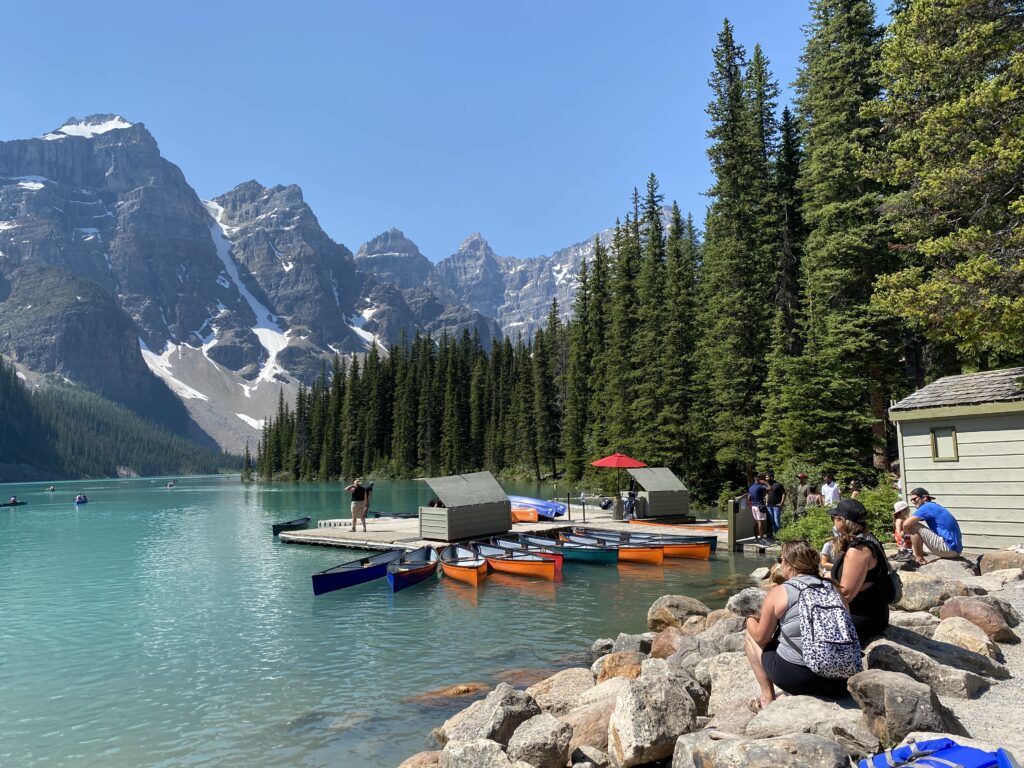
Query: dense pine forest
{"x": 858, "y": 243}
{"x": 61, "y": 431}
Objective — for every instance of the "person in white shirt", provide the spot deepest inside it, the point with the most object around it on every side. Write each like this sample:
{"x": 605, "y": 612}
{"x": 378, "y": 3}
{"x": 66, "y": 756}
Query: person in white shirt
{"x": 830, "y": 492}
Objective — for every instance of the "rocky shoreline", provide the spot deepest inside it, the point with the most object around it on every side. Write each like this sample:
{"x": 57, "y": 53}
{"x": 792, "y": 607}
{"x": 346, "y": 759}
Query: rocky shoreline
{"x": 678, "y": 695}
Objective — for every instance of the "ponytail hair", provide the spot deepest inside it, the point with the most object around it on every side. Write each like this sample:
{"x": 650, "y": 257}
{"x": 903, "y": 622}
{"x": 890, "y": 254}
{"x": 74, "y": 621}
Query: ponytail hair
{"x": 848, "y": 531}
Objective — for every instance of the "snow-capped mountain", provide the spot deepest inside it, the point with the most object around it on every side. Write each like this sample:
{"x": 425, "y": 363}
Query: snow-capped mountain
{"x": 116, "y": 276}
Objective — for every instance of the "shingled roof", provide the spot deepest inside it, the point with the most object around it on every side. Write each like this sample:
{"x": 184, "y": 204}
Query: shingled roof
{"x": 970, "y": 389}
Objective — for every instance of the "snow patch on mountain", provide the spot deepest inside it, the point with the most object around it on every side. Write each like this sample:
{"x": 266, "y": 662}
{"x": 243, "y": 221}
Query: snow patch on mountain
{"x": 32, "y": 183}
{"x": 89, "y": 127}
{"x": 161, "y": 365}
{"x": 254, "y": 423}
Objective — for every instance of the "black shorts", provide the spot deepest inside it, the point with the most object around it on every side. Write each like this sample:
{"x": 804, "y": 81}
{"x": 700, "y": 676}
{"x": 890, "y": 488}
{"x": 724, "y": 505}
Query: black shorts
{"x": 796, "y": 679}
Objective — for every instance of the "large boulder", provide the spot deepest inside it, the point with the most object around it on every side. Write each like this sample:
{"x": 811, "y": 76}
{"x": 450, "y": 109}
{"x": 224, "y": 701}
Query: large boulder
{"x": 747, "y": 602}
{"x": 428, "y": 759}
{"x": 960, "y": 631}
{"x": 709, "y": 749}
{"x": 590, "y": 755}
{"x": 589, "y": 723}
{"x": 955, "y": 568}
{"x": 948, "y": 653}
{"x": 921, "y": 591}
{"x": 894, "y": 704}
{"x": 621, "y": 664}
{"x": 626, "y": 642}
{"x": 717, "y": 615}
{"x": 729, "y": 677}
{"x": 673, "y": 611}
{"x": 922, "y": 622}
{"x": 760, "y": 573}
{"x": 479, "y": 753}
{"x": 807, "y": 714}
{"x": 670, "y": 641}
{"x": 609, "y": 689}
{"x": 697, "y": 692}
{"x": 557, "y": 694}
{"x": 981, "y": 614}
{"x": 542, "y": 741}
{"x": 944, "y": 680}
{"x": 1001, "y": 560}
{"x": 601, "y": 647}
{"x": 1007, "y": 611}
{"x": 650, "y": 714}
{"x": 495, "y": 717}
{"x": 732, "y": 717}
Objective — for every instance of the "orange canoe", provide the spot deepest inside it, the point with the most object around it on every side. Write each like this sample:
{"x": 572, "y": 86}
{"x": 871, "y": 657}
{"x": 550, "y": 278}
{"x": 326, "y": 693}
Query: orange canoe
{"x": 524, "y": 515}
{"x": 463, "y": 564}
{"x": 519, "y": 563}
{"x": 653, "y": 555}
{"x": 698, "y": 550}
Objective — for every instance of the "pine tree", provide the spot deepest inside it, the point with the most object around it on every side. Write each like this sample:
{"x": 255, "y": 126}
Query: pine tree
{"x": 578, "y": 381}
{"x": 544, "y": 405}
{"x": 952, "y": 112}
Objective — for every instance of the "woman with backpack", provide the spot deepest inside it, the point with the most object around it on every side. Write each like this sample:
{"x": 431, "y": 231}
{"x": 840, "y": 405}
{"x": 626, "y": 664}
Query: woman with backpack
{"x": 860, "y": 569}
{"x": 803, "y": 642}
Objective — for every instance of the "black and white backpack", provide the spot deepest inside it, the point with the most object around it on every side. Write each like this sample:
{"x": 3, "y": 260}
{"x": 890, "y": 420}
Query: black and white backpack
{"x": 829, "y": 638}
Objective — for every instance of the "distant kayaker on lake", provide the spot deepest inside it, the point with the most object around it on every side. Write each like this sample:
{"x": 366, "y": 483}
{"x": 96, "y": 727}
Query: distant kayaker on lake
{"x": 358, "y": 505}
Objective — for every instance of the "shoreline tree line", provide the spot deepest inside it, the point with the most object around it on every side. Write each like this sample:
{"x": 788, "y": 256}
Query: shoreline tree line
{"x": 858, "y": 243}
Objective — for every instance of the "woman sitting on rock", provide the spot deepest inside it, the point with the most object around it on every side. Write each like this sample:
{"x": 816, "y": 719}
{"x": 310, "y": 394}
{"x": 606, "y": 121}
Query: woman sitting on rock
{"x": 860, "y": 570}
{"x": 778, "y": 660}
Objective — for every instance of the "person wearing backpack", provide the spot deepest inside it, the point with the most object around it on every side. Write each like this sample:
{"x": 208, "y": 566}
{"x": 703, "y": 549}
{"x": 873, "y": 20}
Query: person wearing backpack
{"x": 803, "y": 641}
{"x": 860, "y": 570}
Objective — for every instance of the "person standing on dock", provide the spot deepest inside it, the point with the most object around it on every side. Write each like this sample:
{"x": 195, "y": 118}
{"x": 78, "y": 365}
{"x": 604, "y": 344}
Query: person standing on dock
{"x": 358, "y": 505}
{"x": 755, "y": 496}
{"x": 775, "y": 499}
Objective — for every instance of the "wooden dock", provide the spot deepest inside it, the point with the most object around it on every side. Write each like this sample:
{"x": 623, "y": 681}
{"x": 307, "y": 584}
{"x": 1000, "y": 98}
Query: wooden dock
{"x": 390, "y": 532}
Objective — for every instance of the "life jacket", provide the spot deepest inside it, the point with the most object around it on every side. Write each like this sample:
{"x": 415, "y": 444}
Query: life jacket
{"x": 939, "y": 753}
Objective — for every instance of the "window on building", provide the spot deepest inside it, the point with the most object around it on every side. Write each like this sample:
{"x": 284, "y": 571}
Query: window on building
{"x": 944, "y": 444}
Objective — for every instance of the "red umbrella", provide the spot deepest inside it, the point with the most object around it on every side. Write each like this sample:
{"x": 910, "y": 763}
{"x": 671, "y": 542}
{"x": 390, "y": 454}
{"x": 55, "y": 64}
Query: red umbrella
{"x": 619, "y": 461}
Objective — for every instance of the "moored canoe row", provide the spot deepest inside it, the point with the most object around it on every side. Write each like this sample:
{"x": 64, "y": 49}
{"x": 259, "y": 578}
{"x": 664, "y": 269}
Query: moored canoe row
{"x": 355, "y": 572}
{"x": 414, "y": 567}
{"x": 629, "y": 537}
{"x": 463, "y": 564}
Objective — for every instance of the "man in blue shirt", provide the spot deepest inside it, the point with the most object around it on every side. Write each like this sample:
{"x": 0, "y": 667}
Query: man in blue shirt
{"x": 756, "y": 496}
{"x": 932, "y": 527}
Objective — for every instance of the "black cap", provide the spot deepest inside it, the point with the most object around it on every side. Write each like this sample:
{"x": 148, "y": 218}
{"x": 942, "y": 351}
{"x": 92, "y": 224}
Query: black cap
{"x": 770, "y": 474}
{"x": 920, "y": 492}
{"x": 850, "y": 509}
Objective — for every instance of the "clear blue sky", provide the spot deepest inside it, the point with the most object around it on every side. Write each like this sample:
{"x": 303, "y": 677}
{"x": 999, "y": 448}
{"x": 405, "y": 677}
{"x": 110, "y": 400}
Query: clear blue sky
{"x": 529, "y": 122}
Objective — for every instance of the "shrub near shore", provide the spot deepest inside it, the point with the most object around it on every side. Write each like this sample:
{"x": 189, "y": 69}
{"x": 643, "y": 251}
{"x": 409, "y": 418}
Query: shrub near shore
{"x": 816, "y": 525}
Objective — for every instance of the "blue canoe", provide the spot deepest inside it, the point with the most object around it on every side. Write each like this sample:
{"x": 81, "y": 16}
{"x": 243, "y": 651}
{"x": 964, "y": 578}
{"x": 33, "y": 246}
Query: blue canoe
{"x": 416, "y": 566}
{"x": 549, "y": 510}
{"x": 582, "y": 553}
{"x": 355, "y": 572}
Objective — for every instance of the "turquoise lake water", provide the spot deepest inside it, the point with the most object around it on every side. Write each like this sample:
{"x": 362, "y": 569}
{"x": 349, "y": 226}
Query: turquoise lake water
{"x": 156, "y": 627}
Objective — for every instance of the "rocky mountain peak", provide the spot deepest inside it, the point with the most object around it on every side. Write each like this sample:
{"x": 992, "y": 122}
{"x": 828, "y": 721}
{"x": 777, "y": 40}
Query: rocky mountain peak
{"x": 475, "y": 245}
{"x": 393, "y": 241}
{"x": 88, "y": 127}
{"x": 394, "y": 258}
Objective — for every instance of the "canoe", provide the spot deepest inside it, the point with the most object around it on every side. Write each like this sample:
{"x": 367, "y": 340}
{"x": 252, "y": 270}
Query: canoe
{"x": 355, "y": 572}
{"x": 630, "y": 537}
{"x": 82, "y": 501}
{"x": 15, "y": 504}
{"x": 515, "y": 562}
{"x": 580, "y": 553}
{"x": 549, "y": 510}
{"x": 633, "y": 553}
{"x": 663, "y": 524}
{"x": 299, "y": 524}
{"x": 416, "y": 566}
{"x": 510, "y": 543}
{"x": 463, "y": 564}
{"x": 524, "y": 515}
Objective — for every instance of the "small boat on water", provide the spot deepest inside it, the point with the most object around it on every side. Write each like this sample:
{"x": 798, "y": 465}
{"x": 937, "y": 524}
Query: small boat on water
{"x": 633, "y": 553}
{"x": 416, "y": 566}
{"x": 355, "y": 572}
{"x": 463, "y": 564}
{"x": 14, "y": 504}
{"x": 582, "y": 553}
{"x": 549, "y": 510}
{"x": 519, "y": 562}
{"x": 524, "y": 515}
{"x": 299, "y": 524}
{"x": 675, "y": 546}
{"x": 518, "y": 544}
{"x": 81, "y": 499}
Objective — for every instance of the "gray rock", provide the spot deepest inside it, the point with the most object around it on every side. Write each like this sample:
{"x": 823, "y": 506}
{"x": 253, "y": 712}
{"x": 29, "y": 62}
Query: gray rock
{"x": 609, "y": 689}
{"x": 584, "y": 764}
{"x": 729, "y": 678}
{"x": 625, "y": 642}
{"x": 619, "y": 664}
{"x": 959, "y": 631}
{"x": 732, "y": 717}
{"x": 591, "y": 755}
{"x": 557, "y": 694}
{"x": 895, "y": 704}
{"x": 948, "y": 653}
{"x": 1001, "y": 560}
{"x": 919, "y": 621}
{"x": 601, "y": 647}
{"x": 673, "y": 610}
{"x": 807, "y": 714}
{"x": 944, "y": 680}
{"x": 922, "y": 592}
{"x": 709, "y": 749}
{"x": 542, "y": 741}
{"x": 649, "y": 715}
{"x": 747, "y": 602}
{"x": 697, "y": 692}
{"x": 589, "y": 723}
{"x": 955, "y": 568}
{"x": 760, "y": 573}
{"x": 479, "y": 753}
{"x": 986, "y": 616}
{"x": 496, "y": 717}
